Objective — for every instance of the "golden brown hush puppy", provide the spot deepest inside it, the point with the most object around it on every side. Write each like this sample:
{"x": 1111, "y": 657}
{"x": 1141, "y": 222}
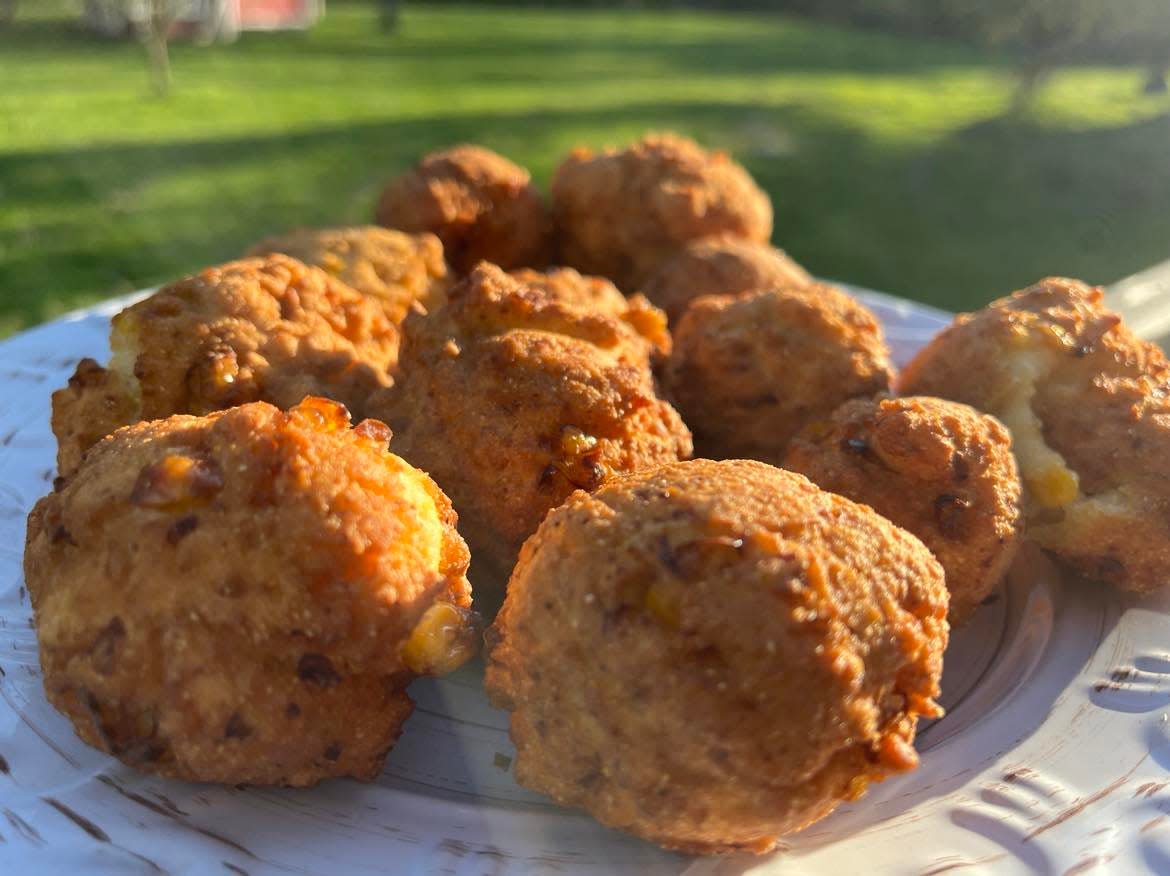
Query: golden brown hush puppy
{"x": 480, "y": 204}
{"x": 1088, "y": 406}
{"x": 939, "y": 469}
{"x": 711, "y": 655}
{"x": 393, "y": 267}
{"x": 720, "y": 266}
{"x": 243, "y": 597}
{"x": 747, "y": 372}
{"x": 598, "y": 295}
{"x": 618, "y": 213}
{"x": 512, "y": 398}
{"x": 260, "y": 329}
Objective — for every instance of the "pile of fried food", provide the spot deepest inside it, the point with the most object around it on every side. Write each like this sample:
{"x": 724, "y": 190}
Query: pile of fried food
{"x": 233, "y": 584}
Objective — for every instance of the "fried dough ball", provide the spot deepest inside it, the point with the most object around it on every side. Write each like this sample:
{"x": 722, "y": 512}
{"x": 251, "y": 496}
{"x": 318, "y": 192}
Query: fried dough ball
{"x": 618, "y": 213}
{"x": 940, "y": 470}
{"x": 711, "y": 655}
{"x": 243, "y": 597}
{"x": 393, "y": 267}
{"x": 598, "y": 295}
{"x": 260, "y": 329}
{"x": 1087, "y": 405}
{"x": 747, "y": 372}
{"x": 480, "y": 204}
{"x": 720, "y": 266}
{"x": 512, "y": 398}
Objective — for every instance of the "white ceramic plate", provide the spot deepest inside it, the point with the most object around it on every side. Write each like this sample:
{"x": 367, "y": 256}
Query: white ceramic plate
{"x": 1053, "y": 758}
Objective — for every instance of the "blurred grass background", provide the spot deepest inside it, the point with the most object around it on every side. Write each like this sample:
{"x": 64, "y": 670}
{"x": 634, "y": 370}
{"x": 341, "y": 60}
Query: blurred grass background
{"x": 892, "y": 161}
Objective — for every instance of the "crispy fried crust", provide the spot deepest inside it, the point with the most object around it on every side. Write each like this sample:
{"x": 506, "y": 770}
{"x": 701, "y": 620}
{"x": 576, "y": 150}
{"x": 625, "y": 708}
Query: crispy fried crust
{"x": 512, "y": 398}
{"x": 480, "y": 204}
{"x": 598, "y": 295}
{"x": 938, "y": 469}
{"x": 619, "y": 213}
{"x": 712, "y": 655}
{"x": 393, "y": 267}
{"x": 747, "y": 372}
{"x": 225, "y": 598}
{"x": 261, "y": 329}
{"x": 720, "y": 266}
{"x": 95, "y": 402}
{"x": 1088, "y": 405}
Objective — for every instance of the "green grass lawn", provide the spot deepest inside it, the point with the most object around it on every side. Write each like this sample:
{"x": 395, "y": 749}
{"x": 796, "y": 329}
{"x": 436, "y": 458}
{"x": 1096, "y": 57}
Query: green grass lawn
{"x": 889, "y": 159}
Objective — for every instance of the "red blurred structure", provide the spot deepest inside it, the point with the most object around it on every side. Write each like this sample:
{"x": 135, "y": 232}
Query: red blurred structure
{"x": 278, "y": 14}
{"x": 204, "y": 20}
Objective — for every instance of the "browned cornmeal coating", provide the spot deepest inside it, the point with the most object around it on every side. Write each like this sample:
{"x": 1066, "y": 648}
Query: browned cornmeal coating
{"x": 243, "y": 597}
{"x": 1087, "y": 405}
{"x": 512, "y": 398}
{"x": 480, "y": 204}
{"x": 941, "y": 470}
{"x": 747, "y": 372}
{"x": 598, "y": 295}
{"x": 260, "y": 329}
{"x": 720, "y": 266}
{"x": 393, "y": 267}
{"x": 711, "y": 655}
{"x": 618, "y": 213}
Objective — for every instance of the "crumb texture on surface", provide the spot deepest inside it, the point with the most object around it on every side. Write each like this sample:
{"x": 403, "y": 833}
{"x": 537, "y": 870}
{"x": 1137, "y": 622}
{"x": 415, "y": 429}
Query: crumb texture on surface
{"x": 259, "y": 329}
{"x": 482, "y": 206}
{"x": 1088, "y": 406}
{"x": 720, "y": 266}
{"x": 711, "y": 655}
{"x": 395, "y": 268}
{"x": 513, "y": 396}
{"x": 748, "y": 372}
{"x": 228, "y": 598}
{"x": 620, "y": 212}
{"x": 939, "y": 469}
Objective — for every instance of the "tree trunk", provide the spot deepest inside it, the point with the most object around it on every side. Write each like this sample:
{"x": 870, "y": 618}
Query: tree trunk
{"x": 1032, "y": 75}
{"x": 390, "y": 15}
{"x": 1157, "y": 84}
{"x": 157, "y": 34}
{"x": 7, "y": 12}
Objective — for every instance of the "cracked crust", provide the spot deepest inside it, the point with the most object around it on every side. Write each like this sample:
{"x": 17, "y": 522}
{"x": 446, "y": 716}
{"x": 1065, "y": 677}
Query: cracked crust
{"x": 227, "y": 598}
{"x": 711, "y": 655}
{"x": 512, "y": 398}
{"x": 747, "y": 372}
{"x": 260, "y": 329}
{"x": 723, "y": 266}
{"x": 1088, "y": 406}
{"x": 395, "y": 268}
{"x": 598, "y": 295}
{"x": 618, "y": 213}
{"x": 481, "y": 206}
{"x": 940, "y": 470}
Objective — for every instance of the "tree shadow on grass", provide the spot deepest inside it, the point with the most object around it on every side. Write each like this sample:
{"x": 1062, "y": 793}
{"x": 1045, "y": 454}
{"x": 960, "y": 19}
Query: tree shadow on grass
{"x": 955, "y": 225}
{"x": 54, "y": 34}
{"x": 780, "y": 44}
{"x": 1088, "y": 203}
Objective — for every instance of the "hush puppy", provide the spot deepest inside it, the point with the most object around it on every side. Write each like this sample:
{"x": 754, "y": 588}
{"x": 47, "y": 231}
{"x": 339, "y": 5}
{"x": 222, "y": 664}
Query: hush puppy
{"x": 619, "y": 213}
{"x": 940, "y": 470}
{"x": 598, "y": 295}
{"x": 512, "y": 398}
{"x": 747, "y": 372}
{"x": 243, "y": 597}
{"x": 711, "y": 655}
{"x": 480, "y": 204}
{"x": 395, "y": 268}
{"x": 260, "y": 329}
{"x": 721, "y": 266}
{"x": 1088, "y": 406}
